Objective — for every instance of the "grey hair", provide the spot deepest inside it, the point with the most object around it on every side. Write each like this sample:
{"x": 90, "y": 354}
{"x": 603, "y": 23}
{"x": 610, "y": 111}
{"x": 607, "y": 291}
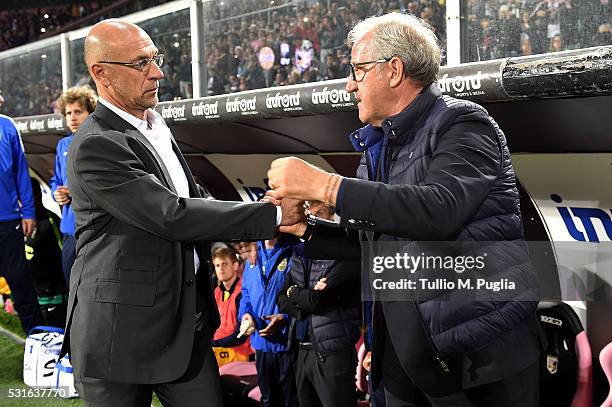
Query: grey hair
{"x": 405, "y": 36}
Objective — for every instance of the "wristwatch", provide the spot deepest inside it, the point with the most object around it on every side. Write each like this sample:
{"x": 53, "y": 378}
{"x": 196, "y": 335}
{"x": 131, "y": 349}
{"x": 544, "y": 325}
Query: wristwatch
{"x": 311, "y": 221}
{"x": 291, "y": 289}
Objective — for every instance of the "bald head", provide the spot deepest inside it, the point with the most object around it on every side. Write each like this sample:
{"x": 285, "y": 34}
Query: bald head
{"x": 120, "y": 57}
{"x": 109, "y": 37}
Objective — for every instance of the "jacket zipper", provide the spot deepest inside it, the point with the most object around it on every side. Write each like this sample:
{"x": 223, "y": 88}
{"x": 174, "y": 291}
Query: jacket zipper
{"x": 443, "y": 365}
{"x": 432, "y": 345}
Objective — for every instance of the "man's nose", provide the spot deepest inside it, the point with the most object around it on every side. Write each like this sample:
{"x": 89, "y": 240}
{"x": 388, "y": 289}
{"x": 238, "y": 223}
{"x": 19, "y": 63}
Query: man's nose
{"x": 155, "y": 72}
{"x": 351, "y": 85}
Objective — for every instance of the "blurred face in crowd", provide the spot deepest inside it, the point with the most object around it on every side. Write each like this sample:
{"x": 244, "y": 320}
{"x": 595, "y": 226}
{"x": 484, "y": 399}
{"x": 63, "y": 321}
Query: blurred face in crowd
{"x": 557, "y": 43}
{"x": 526, "y": 47}
{"x": 133, "y": 89}
{"x": 225, "y": 268}
{"x": 370, "y": 90}
{"x": 75, "y": 115}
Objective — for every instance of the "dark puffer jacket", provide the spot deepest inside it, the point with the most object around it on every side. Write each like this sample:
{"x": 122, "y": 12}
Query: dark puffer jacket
{"x": 446, "y": 175}
{"x": 333, "y": 313}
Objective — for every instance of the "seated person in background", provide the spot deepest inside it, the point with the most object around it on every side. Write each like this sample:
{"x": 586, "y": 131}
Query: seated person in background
{"x": 227, "y": 345}
{"x": 324, "y": 298}
{"x": 260, "y": 317}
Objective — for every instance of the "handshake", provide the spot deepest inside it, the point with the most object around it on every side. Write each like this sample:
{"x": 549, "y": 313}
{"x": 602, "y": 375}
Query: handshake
{"x": 296, "y": 184}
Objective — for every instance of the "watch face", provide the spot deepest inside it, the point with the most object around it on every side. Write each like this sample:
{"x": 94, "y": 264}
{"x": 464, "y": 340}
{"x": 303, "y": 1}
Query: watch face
{"x": 311, "y": 219}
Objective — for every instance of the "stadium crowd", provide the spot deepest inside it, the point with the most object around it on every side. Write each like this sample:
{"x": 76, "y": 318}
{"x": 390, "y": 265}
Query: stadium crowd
{"x": 507, "y": 28}
{"x": 20, "y": 27}
{"x": 306, "y": 38}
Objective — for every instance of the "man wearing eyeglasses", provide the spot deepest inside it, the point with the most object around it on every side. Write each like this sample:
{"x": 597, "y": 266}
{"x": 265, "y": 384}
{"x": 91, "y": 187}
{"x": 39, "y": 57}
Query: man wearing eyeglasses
{"x": 433, "y": 169}
{"x": 141, "y": 311}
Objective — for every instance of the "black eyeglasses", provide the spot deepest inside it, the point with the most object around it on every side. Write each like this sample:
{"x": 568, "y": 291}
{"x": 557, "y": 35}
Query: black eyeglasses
{"x": 140, "y": 65}
{"x": 358, "y": 74}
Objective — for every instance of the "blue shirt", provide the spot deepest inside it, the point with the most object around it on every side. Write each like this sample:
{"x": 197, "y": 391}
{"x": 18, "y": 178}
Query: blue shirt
{"x": 67, "y": 225}
{"x": 261, "y": 283}
{"x": 372, "y": 141}
{"x": 15, "y": 184}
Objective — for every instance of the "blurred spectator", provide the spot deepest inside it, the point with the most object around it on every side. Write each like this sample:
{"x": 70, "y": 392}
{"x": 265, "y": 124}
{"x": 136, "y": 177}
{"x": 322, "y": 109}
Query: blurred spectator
{"x": 492, "y": 26}
{"x": 526, "y": 46}
{"x": 603, "y": 35}
{"x": 556, "y": 43}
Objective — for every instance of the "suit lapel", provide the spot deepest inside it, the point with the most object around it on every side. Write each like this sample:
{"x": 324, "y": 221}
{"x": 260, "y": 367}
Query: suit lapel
{"x": 193, "y": 189}
{"x": 117, "y": 123}
{"x": 166, "y": 174}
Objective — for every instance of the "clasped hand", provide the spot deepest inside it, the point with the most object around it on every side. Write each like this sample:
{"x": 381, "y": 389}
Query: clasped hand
{"x": 294, "y": 181}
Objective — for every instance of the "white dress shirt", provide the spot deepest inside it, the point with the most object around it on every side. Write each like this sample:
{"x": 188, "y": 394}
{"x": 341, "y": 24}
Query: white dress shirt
{"x": 154, "y": 128}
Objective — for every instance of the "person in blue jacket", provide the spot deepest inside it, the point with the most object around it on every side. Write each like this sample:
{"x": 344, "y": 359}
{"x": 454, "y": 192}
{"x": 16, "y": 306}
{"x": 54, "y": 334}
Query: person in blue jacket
{"x": 17, "y": 219}
{"x": 260, "y": 318}
{"x": 75, "y": 104}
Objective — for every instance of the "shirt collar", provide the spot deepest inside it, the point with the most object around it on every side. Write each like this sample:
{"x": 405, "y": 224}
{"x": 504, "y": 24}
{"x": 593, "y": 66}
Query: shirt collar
{"x": 232, "y": 288}
{"x": 369, "y": 137}
{"x": 139, "y": 124}
{"x": 366, "y": 137}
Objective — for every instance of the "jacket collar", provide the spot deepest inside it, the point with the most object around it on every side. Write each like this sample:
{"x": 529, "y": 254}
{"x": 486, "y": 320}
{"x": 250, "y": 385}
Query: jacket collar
{"x": 232, "y": 288}
{"x": 115, "y": 122}
{"x": 403, "y": 122}
{"x": 366, "y": 137}
{"x": 111, "y": 119}
{"x": 397, "y": 125}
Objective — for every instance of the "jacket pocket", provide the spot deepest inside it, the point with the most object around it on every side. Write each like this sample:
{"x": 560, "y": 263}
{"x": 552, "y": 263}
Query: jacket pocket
{"x": 127, "y": 293}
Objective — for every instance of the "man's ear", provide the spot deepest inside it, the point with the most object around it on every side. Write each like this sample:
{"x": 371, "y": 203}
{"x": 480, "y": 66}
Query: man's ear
{"x": 396, "y": 74}
{"x": 98, "y": 73}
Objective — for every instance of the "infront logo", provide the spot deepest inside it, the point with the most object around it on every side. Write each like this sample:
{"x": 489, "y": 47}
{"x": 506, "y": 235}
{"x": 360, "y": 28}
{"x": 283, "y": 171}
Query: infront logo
{"x": 204, "y": 109}
{"x": 54, "y": 123}
{"x": 333, "y": 96}
{"x": 37, "y": 124}
{"x": 241, "y": 105}
{"x": 173, "y": 112}
{"x": 21, "y": 126}
{"x": 460, "y": 83}
{"x": 285, "y": 101}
